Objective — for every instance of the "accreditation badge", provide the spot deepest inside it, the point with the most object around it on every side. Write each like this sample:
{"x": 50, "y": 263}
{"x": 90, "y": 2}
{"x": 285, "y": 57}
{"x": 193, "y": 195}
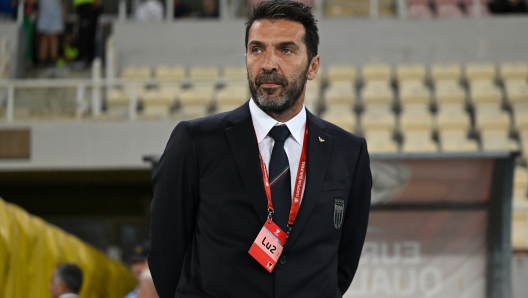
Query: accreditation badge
{"x": 268, "y": 245}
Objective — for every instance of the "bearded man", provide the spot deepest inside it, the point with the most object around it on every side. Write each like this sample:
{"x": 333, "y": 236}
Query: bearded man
{"x": 267, "y": 200}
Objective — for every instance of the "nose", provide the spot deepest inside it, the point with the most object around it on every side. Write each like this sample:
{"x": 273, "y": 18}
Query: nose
{"x": 270, "y": 62}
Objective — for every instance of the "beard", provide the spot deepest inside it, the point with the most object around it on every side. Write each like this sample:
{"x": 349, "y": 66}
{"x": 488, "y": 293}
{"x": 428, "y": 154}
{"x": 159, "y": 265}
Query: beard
{"x": 288, "y": 96}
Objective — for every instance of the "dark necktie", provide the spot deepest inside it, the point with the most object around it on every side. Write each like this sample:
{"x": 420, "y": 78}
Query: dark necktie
{"x": 279, "y": 174}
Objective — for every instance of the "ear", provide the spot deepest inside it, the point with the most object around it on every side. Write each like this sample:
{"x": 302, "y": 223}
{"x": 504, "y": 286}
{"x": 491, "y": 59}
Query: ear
{"x": 313, "y": 68}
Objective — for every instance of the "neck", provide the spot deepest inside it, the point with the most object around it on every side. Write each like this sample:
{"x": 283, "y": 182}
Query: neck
{"x": 290, "y": 113}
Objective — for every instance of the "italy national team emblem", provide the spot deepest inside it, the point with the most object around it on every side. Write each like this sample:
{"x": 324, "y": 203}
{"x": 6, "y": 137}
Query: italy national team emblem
{"x": 339, "y": 208}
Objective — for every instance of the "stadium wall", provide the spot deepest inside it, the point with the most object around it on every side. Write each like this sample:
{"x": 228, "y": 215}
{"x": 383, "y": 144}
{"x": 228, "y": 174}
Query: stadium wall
{"x": 15, "y": 38}
{"x": 355, "y": 41}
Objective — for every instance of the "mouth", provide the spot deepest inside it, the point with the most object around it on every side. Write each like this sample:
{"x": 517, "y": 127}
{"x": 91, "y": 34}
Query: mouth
{"x": 270, "y": 85}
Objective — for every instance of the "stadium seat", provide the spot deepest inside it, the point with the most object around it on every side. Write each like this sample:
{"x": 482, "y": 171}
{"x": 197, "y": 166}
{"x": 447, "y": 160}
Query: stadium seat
{"x": 231, "y": 97}
{"x": 497, "y": 140}
{"x": 418, "y": 141}
{"x": 116, "y": 97}
{"x": 378, "y": 118}
{"x": 415, "y": 117}
{"x": 516, "y": 91}
{"x": 195, "y": 101}
{"x": 480, "y": 71}
{"x": 520, "y": 186}
{"x": 313, "y": 95}
{"x": 419, "y": 12}
{"x": 158, "y": 102}
{"x": 342, "y": 116}
{"x": 136, "y": 73}
{"x": 339, "y": 8}
{"x": 489, "y": 116}
{"x": 513, "y": 71}
{"x": 340, "y": 92}
{"x": 449, "y": 92}
{"x": 485, "y": 92}
{"x": 452, "y": 117}
{"x": 410, "y": 72}
{"x": 204, "y": 73}
{"x": 380, "y": 141}
{"x": 165, "y": 72}
{"x": 377, "y": 72}
{"x": 414, "y": 92}
{"x": 336, "y": 73}
{"x": 456, "y": 140}
{"x": 445, "y": 71}
{"x": 519, "y": 230}
{"x": 377, "y": 92}
{"x": 235, "y": 73}
{"x": 448, "y": 11}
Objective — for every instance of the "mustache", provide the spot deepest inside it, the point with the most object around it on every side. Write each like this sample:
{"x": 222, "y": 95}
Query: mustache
{"x": 270, "y": 78}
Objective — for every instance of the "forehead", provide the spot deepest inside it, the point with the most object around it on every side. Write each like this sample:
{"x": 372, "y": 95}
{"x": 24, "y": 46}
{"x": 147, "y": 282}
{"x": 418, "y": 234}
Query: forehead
{"x": 276, "y": 30}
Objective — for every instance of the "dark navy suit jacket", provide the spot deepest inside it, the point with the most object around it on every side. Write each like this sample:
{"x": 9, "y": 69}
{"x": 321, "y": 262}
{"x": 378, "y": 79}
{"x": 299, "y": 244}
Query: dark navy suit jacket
{"x": 209, "y": 205}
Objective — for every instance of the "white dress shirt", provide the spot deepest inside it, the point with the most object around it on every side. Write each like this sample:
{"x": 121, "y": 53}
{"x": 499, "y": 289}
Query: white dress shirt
{"x": 263, "y": 123}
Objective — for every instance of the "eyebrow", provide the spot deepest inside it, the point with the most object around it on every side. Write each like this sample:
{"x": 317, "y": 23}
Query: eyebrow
{"x": 283, "y": 44}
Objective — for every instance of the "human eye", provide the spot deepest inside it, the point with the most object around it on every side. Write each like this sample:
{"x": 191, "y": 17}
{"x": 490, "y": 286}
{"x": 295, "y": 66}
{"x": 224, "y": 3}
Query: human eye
{"x": 287, "y": 51}
{"x": 256, "y": 50}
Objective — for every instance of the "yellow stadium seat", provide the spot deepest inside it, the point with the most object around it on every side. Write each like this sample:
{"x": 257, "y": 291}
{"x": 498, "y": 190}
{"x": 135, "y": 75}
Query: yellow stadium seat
{"x": 342, "y": 116}
{"x": 136, "y": 72}
{"x": 415, "y": 117}
{"x": 485, "y": 91}
{"x": 157, "y": 103}
{"x": 513, "y": 71}
{"x": 340, "y": 92}
{"x": 336, "y": 73}
{"x": 418, "y": 141}
{"x": 378, "y": 119}
{"x": 414, "y": 92}
{"x": 452, "y": 117}
{"x": 380, "y": 142}
{"x": 235, "y": 73}
{"x": 520, "y": 186}
{"x": 195, "y": 101}
{"x": 445, "y": 71}
{"x": 116, "y": 98}
{"x": 520, "y": 230}
{"x": 410, "y": 72}
{"x": 480, "y": 71}
{"x": 231, "y": 97}
{"x": 377, "y": 92}
{"x": 521, "y": 119}
{"x": 166, "y": 72}
{"x": 447, "y": 91}
{"x": 455, "y": 140}
{"x": 497, "y": 140}
{"x": 204, "y": 73}
{"x": 490, "y": 117}
{"x": 516, "y": 91}
{"x": 377, "y": 72}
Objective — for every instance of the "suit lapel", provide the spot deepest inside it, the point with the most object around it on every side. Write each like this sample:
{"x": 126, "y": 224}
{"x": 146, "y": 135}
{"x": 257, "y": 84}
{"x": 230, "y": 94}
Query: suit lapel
{"x": 243, "y": 144}
{"x": 319, "y": 145}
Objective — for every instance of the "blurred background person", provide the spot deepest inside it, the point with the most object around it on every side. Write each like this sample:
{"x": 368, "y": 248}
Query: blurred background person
{"x": 181, "y": 10}
{"x": 149, "y": 11}
{"x": 146, "y": 286}
{"x": 139, "y": 264}
{"x": 209, "y": 9}
{"x": 66, "y": 281}
{"x": 50, "y": 24}
{"x": 88, "y": 12}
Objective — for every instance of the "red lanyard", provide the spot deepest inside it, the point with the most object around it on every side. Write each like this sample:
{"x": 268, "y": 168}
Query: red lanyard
{"x": 299, "y": 182}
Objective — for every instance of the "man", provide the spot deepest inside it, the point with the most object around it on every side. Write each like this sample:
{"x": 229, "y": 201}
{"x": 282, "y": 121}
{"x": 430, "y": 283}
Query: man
{"x": 66, "y": 281}
{"x": 213, "y": 192}
{"x": 88, "y": 12}
{"x": 139, "y": 265}
{"x": 146, "y": 286}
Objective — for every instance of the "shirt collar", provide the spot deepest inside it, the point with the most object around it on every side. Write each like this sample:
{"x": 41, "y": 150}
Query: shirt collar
{"x": 263, "y": 123}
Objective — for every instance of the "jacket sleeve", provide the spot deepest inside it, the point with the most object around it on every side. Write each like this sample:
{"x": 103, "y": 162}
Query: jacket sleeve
{"x": 355, "y": 221}
{"x": 173, "y": 209}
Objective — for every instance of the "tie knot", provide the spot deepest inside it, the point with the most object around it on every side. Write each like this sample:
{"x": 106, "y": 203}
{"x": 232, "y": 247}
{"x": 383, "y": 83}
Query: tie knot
{"x": 279, "y": 133}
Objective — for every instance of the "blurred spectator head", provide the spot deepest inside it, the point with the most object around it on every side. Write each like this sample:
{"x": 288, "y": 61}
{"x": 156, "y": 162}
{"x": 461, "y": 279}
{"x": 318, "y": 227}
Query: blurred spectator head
{"x": 146, "y": 285}
{"x": 291, "y": 11}
{"x": 209, "y": 8}
{"x": 67, "y": 278}
{"x": 139, "y": 259}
